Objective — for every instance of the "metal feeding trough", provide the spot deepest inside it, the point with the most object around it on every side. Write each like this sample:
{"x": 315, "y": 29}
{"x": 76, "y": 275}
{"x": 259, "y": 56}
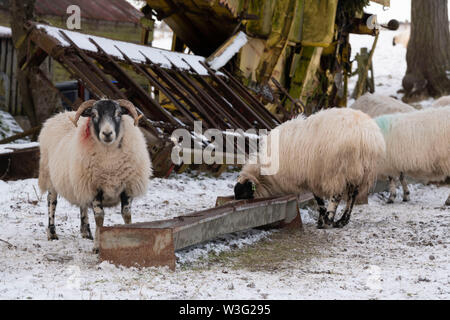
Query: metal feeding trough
{"x": 154, "y": 243}
{"x": 19, "y": 161}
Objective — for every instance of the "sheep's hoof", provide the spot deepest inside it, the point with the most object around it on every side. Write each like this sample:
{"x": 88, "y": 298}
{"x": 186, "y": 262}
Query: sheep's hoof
{"x": 341, "y": 223}
{"x": 87, "y": 236}
{"x": 447, "y": 203}
{"x": 51, "y": 234}
{"x": 405, "y": 199}
{"x": 95, "y": 250}
{"x": 390, "y": 200}
{"x": 86, "y": 233}
{"x": 324, "y": 224}
{"x": 52, "y": 237}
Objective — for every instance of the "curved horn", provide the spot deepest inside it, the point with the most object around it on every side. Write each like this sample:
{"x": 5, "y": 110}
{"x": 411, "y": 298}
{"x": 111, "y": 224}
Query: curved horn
{"x": 85, "y": 105}
{"x": 131, "y": 108}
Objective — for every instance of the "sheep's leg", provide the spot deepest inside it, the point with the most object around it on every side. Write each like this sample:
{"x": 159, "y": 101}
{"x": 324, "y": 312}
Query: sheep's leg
{"x": 322, "y": 211}
{"x": 326, "y": 219}
{"x": 405, "y": 187}
{"x": 352, "y": 194}
{"x": 52, "y": 200}
{"x": 99, "y": 216}
{"x": 447, "y": 203}
{"x": 126, "y": 207}
{"x": 321, "y": 205}
{"x": 85, "y": 229}
{"x": 392, "y": 190}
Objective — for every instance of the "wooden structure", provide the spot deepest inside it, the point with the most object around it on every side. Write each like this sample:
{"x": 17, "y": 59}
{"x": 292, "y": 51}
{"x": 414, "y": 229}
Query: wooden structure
{"x": 302, "y": 44}
{"x": 194, "y": 91}
{"x": 115, "y": 19}
{"x": 10, "y": 99}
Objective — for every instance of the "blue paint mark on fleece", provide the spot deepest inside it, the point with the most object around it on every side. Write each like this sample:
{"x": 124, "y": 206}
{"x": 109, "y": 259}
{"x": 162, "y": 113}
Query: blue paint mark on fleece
{"x": 384, "y": 122}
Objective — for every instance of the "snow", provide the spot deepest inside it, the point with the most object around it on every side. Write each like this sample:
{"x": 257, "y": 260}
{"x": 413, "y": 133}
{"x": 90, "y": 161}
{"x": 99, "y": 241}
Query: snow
{"x": 220, "y": 60}
{"x": 395, "y": 251}
{"x": 10, "y": 147}
{"x": 389, "y": 63}
{"x": 386, "y": 252}
{"x": 5, "y": 32}
{"x": 137, "y": 53}
{"x": 9, "y": 127}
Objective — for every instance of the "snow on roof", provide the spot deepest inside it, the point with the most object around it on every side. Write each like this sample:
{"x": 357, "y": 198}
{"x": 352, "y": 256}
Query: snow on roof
{"x": 5, "y": 32}
{"x": 220, "y": 60}
{"x": 10, "y": 147}
{"x": 135, "y": 52}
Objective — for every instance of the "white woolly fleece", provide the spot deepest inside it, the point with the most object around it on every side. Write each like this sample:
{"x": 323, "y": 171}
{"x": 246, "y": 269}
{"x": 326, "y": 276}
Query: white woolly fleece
{"x": 323, "y": 154}
{"x": 76, "y": 165}
{"x": 417, "y": 144}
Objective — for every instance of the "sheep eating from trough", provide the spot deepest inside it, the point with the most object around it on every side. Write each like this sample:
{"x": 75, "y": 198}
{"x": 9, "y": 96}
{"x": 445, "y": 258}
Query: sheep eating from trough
{"x": 417, "y": 145}
{"x": 333, "y": 153}
{"x": 94, "y": 161}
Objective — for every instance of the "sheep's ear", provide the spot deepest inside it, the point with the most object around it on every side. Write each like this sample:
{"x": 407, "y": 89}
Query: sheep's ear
{"x": 87, "y": 112}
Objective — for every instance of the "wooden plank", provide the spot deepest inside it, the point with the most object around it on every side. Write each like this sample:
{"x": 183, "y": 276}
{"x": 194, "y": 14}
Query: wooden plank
{"x": 15, "y": 110}
{"x": 9, "y": 52}
{"x": 3, "y": 47}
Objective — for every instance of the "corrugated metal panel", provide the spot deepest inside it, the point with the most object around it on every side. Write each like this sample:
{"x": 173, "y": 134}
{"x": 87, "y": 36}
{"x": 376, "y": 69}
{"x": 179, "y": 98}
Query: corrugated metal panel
{"x": 109, "y": 10}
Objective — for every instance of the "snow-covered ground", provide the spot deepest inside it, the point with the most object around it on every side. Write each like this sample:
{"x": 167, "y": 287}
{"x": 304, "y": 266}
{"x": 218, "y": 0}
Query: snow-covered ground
{"x": 386, "y": 252}
{"x": 389, "y": 63}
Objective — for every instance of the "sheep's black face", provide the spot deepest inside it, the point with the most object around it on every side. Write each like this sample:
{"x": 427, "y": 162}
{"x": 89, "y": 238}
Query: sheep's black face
{"x": 244, "y": 190}
{"x": 106, "y": 117}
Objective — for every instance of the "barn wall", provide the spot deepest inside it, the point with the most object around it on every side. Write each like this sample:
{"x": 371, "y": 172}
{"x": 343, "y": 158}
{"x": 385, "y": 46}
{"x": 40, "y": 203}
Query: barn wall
{"x": 10, "y": 98}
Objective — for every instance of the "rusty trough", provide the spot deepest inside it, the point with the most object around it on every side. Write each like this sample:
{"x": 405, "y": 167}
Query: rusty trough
{"x": 154, "y": 243}
{"x": 19, "y": 161}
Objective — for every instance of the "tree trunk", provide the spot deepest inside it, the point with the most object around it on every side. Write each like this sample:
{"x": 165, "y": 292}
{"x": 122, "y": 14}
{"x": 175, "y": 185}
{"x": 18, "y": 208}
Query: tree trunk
{"x": 38, "y": 100}
{"x": 428, "y": 54}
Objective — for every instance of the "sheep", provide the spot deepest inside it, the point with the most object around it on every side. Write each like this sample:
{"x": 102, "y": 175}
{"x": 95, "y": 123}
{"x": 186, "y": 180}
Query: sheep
{"x": 333, "y": 154}
{"x": 376, "y": 105}
{"x": 417, "y": 145}
{"x": 96, "y": 161}
{"x": 402, "y": 38}
{"x": 442, "y": 102}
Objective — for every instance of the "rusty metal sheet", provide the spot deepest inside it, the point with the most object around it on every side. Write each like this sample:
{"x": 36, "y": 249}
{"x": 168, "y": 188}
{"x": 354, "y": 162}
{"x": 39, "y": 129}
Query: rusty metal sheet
{"x": 141, "y": 247}
{"x": 19, "y": 164}
{"x": 154, "y": 243}
{"x": 104, "y": 10}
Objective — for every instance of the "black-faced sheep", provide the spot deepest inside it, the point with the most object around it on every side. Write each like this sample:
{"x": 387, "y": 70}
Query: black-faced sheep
{"x": 95, "y": 161}
{"x": 417, "y": 145}
{"x": 333, "y": 153}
